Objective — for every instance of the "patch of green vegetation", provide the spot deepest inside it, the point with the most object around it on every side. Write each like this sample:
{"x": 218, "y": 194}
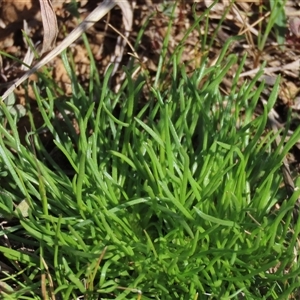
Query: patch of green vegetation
{"x": 166, "y": 198}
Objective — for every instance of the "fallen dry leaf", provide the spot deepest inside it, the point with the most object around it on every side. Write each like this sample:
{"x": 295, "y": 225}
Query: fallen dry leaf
{"x": 49, "y": 24}
{"x": 295, "y": 26}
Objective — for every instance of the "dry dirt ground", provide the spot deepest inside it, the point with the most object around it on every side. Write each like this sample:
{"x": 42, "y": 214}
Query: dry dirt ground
{"x": 245, "y": 17}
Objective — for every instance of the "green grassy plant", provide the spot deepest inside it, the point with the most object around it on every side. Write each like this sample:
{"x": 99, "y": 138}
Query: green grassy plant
{"x": 276, "y": 24}
{"x": 169, "y": 198}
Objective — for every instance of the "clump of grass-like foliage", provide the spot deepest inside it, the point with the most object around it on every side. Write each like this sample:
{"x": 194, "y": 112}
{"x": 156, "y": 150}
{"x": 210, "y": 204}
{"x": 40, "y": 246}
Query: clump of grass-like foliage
{"x": 169, "y": 198}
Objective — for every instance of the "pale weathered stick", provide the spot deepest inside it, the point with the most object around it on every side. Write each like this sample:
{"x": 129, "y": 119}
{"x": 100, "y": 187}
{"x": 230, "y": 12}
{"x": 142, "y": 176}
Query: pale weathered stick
{"x": 99, "y": 12}
{"x": 291, "y": 66}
